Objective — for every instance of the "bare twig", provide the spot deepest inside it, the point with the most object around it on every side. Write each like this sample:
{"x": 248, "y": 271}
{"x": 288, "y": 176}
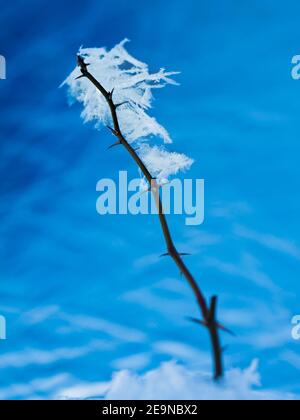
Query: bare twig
{"x": 208, "y": 312}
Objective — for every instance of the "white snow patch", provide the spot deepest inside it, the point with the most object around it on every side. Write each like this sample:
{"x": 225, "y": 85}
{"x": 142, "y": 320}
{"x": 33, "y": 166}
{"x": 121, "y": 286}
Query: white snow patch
{"x": 173, "y": 381}
{"x": 133, "y": 84}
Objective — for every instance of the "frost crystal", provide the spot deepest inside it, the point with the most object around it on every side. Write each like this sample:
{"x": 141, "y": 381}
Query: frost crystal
{"x": 133, "y": 84}
{"x": 162, "y": 163}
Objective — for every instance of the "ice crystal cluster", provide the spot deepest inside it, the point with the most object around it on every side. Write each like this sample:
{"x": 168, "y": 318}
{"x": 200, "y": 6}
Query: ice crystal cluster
{"x": 133, "y": 85}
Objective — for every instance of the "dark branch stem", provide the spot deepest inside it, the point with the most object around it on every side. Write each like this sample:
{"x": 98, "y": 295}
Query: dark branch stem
{"x": 208, "y": 312}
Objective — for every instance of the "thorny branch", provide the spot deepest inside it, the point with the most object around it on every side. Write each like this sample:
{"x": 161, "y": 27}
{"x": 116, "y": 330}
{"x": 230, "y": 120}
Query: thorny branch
{"x": 208, "y": 311}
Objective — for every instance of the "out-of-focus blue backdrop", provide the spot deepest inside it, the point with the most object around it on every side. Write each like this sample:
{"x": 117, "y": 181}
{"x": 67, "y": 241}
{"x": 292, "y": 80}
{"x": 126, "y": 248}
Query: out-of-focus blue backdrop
{"x": 85, "y": 295}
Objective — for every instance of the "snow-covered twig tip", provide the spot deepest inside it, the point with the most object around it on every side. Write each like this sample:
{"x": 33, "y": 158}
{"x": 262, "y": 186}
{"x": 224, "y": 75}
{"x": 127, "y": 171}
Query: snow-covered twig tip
{"x": 132, "y": 85}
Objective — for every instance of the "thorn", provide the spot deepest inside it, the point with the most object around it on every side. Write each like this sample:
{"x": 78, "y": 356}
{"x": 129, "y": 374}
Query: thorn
{"x": 112, "y": 130}
{"x": 165, "y": 255}
{"x": 79, "y": 77}
{"x": 182, "y": 254}
{"x": 227, "y": 330}
{"x": 205, "y": 324}
{"x": 197, "y": 321}
{"x": 113, "y": 145}
{"x": 122, "y": 103}
{"x": 110, "y": 94}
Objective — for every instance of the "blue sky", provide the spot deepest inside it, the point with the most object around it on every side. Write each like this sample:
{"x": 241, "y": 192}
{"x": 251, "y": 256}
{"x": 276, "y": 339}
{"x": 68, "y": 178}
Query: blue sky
{"x": 84, "y": 295}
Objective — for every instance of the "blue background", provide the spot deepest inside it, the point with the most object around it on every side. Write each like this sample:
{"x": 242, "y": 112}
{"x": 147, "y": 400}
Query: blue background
{"x": 86, "y": 295}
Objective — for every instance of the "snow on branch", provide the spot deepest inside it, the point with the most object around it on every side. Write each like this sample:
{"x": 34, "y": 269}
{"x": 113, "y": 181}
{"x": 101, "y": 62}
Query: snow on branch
{"x": 132, "y": 86}
{"x": 162, "y": 163}
{"x": 115, "y": 90}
